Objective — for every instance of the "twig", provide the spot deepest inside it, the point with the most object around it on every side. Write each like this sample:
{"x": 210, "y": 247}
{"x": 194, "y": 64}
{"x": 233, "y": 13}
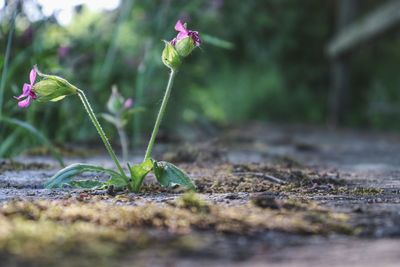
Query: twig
{"x": 265, "y": 176}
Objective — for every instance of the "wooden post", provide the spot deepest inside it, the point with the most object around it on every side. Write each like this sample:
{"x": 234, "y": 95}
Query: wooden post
{"x": 340, "y": 70}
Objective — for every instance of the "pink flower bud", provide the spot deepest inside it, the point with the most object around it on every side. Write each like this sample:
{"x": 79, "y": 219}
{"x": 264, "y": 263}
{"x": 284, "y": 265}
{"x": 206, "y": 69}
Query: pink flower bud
{"x": 128, "y": 103}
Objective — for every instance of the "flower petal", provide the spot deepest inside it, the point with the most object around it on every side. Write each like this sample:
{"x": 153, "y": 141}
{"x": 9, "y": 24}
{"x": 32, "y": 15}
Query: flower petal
{"x": 173, "y": 42}
{"x": 32, "y": 76}
{"x": 196, "y": 37}
{"x": 32, "y": 94}
{"x": 180, "y": 27}
{"x": 26, "y": 90}
{"x": 182, "y": 35}
{"x": 24, "y": 103}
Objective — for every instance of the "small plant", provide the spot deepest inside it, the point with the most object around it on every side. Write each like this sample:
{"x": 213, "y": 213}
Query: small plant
{"x": 54, "y": 88}
{"x": 120, "y": 110}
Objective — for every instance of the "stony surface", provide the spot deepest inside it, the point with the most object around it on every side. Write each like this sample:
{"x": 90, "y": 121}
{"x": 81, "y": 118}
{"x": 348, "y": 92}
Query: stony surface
{"x": 268, "y": 195}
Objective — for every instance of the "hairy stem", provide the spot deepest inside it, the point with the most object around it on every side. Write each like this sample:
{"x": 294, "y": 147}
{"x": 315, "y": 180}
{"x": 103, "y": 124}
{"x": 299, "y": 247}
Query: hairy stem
{"x": 124, "y": 142}
{"x": 160, "y": 115}
{"x": 97, "y": 125}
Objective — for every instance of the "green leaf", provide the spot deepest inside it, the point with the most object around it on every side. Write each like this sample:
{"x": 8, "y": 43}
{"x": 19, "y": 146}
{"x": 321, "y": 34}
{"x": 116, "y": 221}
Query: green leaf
{"x": 87, "y": 184}
{"x": 215, "y": 41}
{"x": 66, "y": 175}
{"x": 169, "y": 175}
{"x": 117, "y": 181}
{"x": 132, "y": 111}
{"x": 135, "y": 110}
{"x": 36, "y": 134}
{"x": 109, "y": 118}
{"x": 138, "y": 172}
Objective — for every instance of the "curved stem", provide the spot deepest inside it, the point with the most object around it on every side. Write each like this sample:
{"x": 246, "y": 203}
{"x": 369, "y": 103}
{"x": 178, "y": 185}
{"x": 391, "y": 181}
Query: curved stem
{"x": 97, "y": 125}
{"x": 160, "y": 115}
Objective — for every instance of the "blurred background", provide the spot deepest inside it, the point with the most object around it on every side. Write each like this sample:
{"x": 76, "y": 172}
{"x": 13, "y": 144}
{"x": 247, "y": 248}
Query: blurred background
{"x": 332, "y": 62}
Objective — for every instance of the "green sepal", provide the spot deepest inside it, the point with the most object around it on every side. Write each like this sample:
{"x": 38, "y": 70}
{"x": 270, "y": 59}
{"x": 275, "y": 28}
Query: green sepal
{"x": 170, "y": 56}
{"x": 58, "y": 98}
{"x": 169, "y": 175}
{"x": 185, "y": 46}
{"x": 53, "y": 88}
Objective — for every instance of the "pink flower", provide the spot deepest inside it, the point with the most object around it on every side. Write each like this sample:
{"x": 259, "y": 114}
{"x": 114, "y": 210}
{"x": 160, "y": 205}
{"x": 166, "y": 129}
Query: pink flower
{"x": 183, "y": 33}
{"x": 27, "y": 91}
{"x": 128, "y": 103}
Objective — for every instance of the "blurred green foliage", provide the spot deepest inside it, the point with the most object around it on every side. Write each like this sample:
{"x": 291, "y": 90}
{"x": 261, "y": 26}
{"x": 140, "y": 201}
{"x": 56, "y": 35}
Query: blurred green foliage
{"x": 261, "y": 60}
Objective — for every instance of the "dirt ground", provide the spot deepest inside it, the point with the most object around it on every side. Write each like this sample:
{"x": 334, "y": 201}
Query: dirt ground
{"x": 268, "y": 196}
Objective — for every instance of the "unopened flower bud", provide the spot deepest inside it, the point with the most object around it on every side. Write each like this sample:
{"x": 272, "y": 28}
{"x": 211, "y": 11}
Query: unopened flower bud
{"x": 170, "y": 57}
{"x": 186, "y": 40}
{"x": 115, "y": 102}
{"x": 50, "y": 88}
{"x": 53, "y": 88}
{"x": 185, "y": 46}
{"x": 128, "y": 103}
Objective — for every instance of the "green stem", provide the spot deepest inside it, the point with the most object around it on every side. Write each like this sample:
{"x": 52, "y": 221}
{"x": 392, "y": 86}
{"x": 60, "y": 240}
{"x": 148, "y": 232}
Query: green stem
{"x": 160, "y": 115}
{"x": 7, "y": 57}
{"x": 103, "y": 136}
{"x": 124, "y": 142}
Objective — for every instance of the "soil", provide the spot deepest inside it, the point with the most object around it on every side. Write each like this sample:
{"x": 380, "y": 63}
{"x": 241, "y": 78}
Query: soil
{"x": 269, "y": 195}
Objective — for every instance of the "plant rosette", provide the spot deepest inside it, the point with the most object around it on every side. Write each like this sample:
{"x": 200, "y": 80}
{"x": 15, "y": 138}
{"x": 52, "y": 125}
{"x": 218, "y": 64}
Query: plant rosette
{"x": 54, "y": 88}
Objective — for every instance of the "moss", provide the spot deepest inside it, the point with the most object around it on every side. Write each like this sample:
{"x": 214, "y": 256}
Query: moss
{"x": 360, "y": 191}
{"x": 211, "y": 178}
{"x": 193, "y": 202}
{"x": 98, "y": 229}
{"x": 183, "y": 217}
{"x": 254, "y": 178}
{"x": 295, "y": 176}
{"x": 50, "y": 242}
